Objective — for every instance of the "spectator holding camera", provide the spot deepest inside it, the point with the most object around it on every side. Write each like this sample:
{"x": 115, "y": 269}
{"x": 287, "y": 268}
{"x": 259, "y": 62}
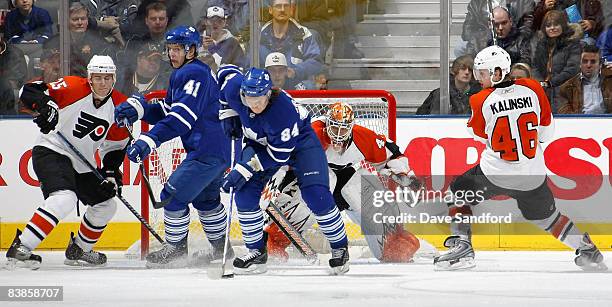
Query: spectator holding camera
{"x": 27, "y": 23}
{"x": 590, "y": 12}
{"x": 219, "y": 46}
{"x": 590, "y": 91}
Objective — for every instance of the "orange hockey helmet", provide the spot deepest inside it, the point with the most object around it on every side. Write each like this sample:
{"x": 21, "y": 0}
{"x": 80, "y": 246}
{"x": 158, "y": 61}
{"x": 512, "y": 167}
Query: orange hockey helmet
{"x": 339, "y": 122}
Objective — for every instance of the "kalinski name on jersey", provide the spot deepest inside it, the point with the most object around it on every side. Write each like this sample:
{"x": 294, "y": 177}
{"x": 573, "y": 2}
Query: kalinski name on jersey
{"x": 511, "y": 104}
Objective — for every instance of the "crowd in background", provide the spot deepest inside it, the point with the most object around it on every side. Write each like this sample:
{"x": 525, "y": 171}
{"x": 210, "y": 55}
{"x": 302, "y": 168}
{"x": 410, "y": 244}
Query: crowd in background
{"x": 564, "y": 44}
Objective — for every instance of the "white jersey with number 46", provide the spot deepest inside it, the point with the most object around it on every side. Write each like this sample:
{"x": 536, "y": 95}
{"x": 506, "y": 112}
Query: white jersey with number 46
{"x": 512, "y": 119}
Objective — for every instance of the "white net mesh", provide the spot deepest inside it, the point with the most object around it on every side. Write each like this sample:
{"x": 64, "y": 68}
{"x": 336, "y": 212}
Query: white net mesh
{"x": 371, "y": 112}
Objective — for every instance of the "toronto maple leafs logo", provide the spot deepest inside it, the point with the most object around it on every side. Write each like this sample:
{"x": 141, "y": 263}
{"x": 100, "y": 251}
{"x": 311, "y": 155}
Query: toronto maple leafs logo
{"x": 88, "y": 124}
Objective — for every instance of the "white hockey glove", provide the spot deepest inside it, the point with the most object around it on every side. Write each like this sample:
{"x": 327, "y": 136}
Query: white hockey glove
{"x": 399, "y": 171}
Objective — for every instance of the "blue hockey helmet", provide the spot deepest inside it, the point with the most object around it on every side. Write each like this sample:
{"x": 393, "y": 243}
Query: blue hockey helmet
{"x": 184, "y": 35}
{"x": 257, "y": 82}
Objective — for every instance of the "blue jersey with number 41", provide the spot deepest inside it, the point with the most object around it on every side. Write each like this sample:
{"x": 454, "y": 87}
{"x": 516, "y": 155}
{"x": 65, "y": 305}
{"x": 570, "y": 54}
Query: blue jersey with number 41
{"x": 283, "y": 127}
{"x": 191, "y": 111}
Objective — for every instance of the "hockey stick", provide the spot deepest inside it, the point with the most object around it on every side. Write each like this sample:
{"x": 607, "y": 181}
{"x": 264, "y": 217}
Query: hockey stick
{"x": 291, "y": 233}
{"x": 221, "y": 272}
{"x": 99, "y": 176}
{"x": 156, "y": 204}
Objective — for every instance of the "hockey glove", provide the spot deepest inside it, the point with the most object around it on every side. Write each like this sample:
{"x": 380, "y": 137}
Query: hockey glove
{"x": 237, "y": 177}
{"x": 230, "y": 122}
{"x": 343, "y": 175}
{"x": 132, "y": 109}
{"x": 107, "y": 188}
{"x": 47, "y": 117}
{"x": 141, "y": 148}
{"x": 115, "y": 177}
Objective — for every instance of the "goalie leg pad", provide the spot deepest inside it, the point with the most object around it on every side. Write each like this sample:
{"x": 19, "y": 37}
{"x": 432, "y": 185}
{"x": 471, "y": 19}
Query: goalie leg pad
{"x": 400, "y": 246}
{"x": 94, "y": 222}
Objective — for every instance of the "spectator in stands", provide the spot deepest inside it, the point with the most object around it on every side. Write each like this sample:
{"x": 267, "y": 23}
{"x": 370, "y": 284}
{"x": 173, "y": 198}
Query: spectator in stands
{"x": 462, "y": 86}
{"x": 285, "y": 35}
{"x": 590, "y": 91}
{"x": 590, "y": 11}
{"x": 150, "y": 73}
{"x": 156, "y": 21}
{"x": 123, "y": 12}
{"x": 604, "y": 43}
{"x": 557, "y": 55}
{"x": 84, "y": 43}
{"x": 49, "y": 65}
{"x": 178, "y": 12}
{"x": 477, "y": 25}
{"x": 331, "y": 18}
{"x": 219, "y": 46}
{"x": 509, "y": 38}
{"x": 276, "y": 64}
{"x": 28, "y": 23}
{"x": 520, "y": 70}
{"x": 13, "y": 72}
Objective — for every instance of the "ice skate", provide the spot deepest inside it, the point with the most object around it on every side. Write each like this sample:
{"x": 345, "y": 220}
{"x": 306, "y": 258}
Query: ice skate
{"x": 169, "y": 256}
{"x": 76, "y": 256}
{"x": 459, "y": 256}
{"x": 205, "y": 257}
{"x": 339, "y": 261}
{"x": 253, "y": 262}
{"x": 20, "y": 256}
{"x": 589, "y": 258}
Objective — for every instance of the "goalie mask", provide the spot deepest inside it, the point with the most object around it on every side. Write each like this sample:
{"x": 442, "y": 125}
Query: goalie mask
{"x": 99, "y": 69}
{"x": 339, "y": 124}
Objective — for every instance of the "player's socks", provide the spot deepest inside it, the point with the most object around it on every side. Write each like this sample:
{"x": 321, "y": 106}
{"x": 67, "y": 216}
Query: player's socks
{"x": 251, "y": 224}
{"x": 40, "y": 226}
{"x": 17, "y": 252}
{"x": 589, "y": 258}
{"x": 89, "y": 234}
{"x": 213, "y": 222}
{"x": 562, "y": 228}
{"x": 459, "y": 256}
{"x": 332, "y": 226}
{"x": 173, "y": 252}
{"x": 77, "y": 256}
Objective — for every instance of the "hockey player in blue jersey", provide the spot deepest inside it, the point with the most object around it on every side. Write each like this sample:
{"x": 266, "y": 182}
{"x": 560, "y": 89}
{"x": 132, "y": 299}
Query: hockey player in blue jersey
{"x": 277, "y": 132}
{"x": 191, "y": 111}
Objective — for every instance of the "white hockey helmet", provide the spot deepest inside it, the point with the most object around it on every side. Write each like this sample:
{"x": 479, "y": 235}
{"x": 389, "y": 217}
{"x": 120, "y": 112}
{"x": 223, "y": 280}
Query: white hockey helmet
{"x": 489, "y": 59}
{"x": 101, "y": 64}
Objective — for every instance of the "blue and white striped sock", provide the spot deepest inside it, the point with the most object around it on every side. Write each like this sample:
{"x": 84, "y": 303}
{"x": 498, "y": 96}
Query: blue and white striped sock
{"x": 332, "y": 226}
{"x": 251, "y": 223}
{"x": 213, "y": 222}
{"x": 176, "y": 225}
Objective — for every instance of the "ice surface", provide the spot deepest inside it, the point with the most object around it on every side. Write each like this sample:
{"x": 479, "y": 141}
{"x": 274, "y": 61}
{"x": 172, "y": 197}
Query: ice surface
{"x": 499, "y": 279}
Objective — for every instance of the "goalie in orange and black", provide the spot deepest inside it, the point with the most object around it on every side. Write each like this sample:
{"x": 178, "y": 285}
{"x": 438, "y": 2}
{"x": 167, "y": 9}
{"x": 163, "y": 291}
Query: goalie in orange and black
{"x": 346, "y": 145}
{"x": 82, "y": 109}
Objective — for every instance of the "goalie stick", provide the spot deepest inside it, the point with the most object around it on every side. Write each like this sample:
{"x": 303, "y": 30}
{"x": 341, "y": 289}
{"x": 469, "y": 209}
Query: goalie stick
{"x": 277, "y": 216}
{"x": 99, "y": 176}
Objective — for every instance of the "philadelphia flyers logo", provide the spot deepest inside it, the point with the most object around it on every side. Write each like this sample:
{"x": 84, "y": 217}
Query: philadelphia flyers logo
{"x": 88, "y": 124}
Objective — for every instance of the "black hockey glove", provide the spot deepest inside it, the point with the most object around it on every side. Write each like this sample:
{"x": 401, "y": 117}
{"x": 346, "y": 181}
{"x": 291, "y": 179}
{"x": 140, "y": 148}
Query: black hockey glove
{"x": 47, "y": 117}
{"x": 115, "y": 178}
{"x": 343, "y": 175}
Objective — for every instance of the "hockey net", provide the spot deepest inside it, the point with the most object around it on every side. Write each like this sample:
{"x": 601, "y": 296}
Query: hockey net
{"x": 374, "y": 109}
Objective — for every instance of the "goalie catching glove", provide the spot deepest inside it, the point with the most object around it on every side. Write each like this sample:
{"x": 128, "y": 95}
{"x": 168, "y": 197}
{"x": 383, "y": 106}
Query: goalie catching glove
{"x": 399, "y": 171}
